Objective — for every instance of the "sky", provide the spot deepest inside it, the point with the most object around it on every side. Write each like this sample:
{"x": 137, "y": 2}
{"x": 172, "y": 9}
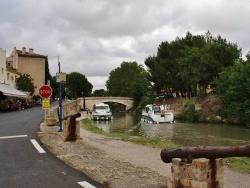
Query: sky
{"x": 93, "y": 37}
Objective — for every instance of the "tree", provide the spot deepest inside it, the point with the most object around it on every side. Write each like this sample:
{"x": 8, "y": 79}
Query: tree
{"x": 25, "y": 83}
{"x": 195, "y": 67}
{"x": 183, "y": 64}
{"x": 55, "y": 87}
{"x": 232, "y": 86}
{"x": 100, "y": 93}
{"x": 140, "y": 87}
{"x": 47, "y": 74}
{"x": 76, "y": 83}
{"x": 121, "y": 80}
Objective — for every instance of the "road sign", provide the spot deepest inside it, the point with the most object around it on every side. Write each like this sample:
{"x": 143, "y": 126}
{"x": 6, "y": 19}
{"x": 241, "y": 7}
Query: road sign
{"x": 45, "y": 91}
{"x": 46, "y": 103}
{"x": 61, "y": 77}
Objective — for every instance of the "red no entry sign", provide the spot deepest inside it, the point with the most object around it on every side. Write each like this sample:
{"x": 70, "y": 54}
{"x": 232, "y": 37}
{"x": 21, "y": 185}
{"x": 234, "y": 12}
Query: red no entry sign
{"x": 45, "y": 91}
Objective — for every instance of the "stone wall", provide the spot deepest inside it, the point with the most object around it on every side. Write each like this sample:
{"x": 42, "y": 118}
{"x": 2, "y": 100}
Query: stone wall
{"x": 71, "y": 128}
{"x": 200, "y": 173}
{"x": 69, "y": 108}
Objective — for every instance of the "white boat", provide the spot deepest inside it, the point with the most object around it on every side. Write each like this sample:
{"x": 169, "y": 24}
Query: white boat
{"x": 101, "y": 111}
{"x": 154, "y": 113}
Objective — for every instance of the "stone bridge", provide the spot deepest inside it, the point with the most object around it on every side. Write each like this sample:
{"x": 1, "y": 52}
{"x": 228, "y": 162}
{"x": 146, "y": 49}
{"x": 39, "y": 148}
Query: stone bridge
{"x": 75, "y": 106}
{"x": 90, "y": 101}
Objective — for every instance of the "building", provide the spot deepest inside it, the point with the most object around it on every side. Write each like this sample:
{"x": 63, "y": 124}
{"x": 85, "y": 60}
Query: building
{"x": 28, "y": 62}
{"x": 8, "y": 74}
{"x": 2, "y": 65}
{"x": 8, "y": 78}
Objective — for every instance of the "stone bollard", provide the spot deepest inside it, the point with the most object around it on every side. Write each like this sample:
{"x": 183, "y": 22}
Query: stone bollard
{"x": 202, "y": 166}
{"x": 199, "y": 173}
{"x": 71, "y": 127}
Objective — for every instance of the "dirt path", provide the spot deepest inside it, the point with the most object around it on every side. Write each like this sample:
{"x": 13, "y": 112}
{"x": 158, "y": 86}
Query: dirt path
{"x": 150, "y": 157}
{"x": 120, "y": 164}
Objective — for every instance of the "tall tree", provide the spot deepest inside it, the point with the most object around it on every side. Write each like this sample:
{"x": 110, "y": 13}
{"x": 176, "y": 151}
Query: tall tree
{"x": 121, "y": 79}
{"x": 232, "y": 86}
{"x": 25, "y": 83}
{"x": 76, "y": 84}
{"x": 188, "y": 62}
{"x": 140, "y": 87}
{"x": 100, "y": 93}
{"x": 55, "y": 87}
{"x": 47, "y": 74}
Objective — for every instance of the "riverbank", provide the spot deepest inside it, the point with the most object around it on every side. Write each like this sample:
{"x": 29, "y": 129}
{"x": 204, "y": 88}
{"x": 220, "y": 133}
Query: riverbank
{"x": 116, "y": 163}
{"x": 206, "y": 106}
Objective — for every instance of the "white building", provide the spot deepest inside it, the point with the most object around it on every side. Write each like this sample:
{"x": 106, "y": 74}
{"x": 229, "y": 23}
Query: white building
{"x": 8, "y": 74}
{"x": 2, "y": 65}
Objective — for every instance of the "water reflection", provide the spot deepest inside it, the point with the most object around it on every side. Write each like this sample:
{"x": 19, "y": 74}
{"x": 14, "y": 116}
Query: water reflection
{"x": 181, "y": 133}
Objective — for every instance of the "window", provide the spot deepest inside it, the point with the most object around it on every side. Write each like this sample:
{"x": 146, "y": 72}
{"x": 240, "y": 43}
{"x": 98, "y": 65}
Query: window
{"x": 8, "y": 76}
{"x": 12, "y": 78}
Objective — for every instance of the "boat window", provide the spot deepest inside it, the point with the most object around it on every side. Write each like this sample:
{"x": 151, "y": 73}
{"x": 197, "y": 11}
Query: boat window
{"x": 102, "y": 107}
{"x": 156, "y": 108}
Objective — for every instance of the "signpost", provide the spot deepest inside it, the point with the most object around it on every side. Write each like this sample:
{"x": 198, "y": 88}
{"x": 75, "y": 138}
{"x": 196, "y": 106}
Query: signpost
{"x": 45, "y": 103}
{"x": 60, "y": 78}
{"x": 45, "y": 91}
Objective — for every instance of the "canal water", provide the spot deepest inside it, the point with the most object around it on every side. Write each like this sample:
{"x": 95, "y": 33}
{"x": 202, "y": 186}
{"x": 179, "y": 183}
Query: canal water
{"x": 186, "y": 134}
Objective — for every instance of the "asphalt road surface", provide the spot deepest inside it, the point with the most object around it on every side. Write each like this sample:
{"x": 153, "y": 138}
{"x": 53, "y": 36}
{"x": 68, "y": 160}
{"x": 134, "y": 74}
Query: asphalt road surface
{"x": 24, "y": 163}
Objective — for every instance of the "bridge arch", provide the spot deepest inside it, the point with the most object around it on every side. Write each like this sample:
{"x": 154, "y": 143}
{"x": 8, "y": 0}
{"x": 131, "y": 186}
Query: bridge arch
{"x": 90, "y": 101}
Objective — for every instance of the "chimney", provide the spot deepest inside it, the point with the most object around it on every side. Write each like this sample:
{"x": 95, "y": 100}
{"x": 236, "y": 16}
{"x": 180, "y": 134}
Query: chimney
{"x": 23, "y": 50}
{"x": 31, "y": 51}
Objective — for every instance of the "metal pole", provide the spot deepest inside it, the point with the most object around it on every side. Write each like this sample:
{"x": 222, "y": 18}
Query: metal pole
{"x": 60, "y": 100}
{"x": 60, "y": 107}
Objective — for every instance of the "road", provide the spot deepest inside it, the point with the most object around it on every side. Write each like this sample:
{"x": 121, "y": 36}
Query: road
{"x": 24, "y": 163}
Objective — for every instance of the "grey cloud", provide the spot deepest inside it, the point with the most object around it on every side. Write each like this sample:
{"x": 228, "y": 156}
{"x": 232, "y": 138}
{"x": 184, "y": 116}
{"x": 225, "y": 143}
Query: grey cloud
{"x": 95, "y": 37}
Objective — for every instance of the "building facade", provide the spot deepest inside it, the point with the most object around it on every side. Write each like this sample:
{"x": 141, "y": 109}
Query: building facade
{"x": 27, "y": 62}
{"x": 8, "y": 74}
{"x": 2, "y": 65}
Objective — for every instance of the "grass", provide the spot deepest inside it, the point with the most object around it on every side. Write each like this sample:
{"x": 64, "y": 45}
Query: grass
{"x": 241, "y": 164}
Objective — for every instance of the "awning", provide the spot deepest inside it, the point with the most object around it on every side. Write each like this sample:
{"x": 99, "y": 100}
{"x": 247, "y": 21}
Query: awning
{"x": 10, "y": 91}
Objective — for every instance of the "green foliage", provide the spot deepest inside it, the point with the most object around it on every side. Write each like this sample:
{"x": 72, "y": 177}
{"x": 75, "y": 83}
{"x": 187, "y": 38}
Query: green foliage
{"x": 55, "y": 87}
{"x": 139, "y": 88}
{"x": 185, "y": 63}
{"x": 144, "y": 101}
{"x": 88, "y": 126}
{"x": 100, "y": 93}
{"x": 47, "y": 74}
{"x": 77, "y": 83}
{"x": 128, "y": 80}
{"x": 232, "y": 86}
{"x": 25, "y": 83}
{"x": 190, "y": 114}
{"x": 241, "y": 164}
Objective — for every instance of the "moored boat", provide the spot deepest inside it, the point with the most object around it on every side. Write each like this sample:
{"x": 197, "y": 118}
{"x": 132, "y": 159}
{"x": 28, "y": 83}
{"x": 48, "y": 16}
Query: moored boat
{"x": 154, "y": 113}
{"x": 101, "y": 111}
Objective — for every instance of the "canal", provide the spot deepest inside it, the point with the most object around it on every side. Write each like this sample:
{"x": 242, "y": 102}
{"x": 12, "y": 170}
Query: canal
{"x": 186, "y": 134}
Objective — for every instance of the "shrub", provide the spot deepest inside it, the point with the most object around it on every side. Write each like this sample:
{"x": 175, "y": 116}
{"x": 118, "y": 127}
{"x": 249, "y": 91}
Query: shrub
{"x": 190, "y": 114}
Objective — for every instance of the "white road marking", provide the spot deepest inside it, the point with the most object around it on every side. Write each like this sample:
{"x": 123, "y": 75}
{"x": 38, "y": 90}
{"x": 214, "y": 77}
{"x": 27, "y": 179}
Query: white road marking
{"x": 37, "y": 146}
{"x": 17, "y": 136}
{"x": 86, "y": 184}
